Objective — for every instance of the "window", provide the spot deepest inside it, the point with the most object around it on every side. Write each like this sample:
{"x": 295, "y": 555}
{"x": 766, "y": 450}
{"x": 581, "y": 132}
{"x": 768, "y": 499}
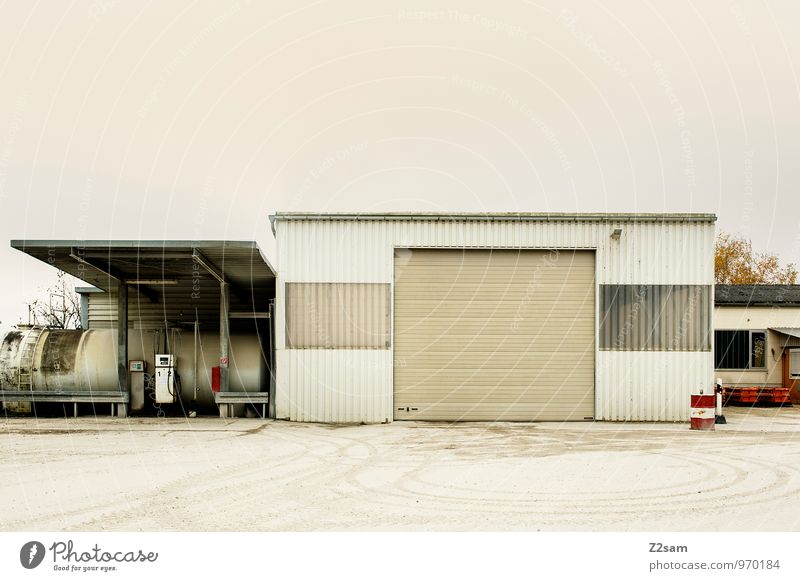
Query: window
{"x": 758, "y": 348}
{"x": 655, "y": 317}
{"x": 328, "y": 315}
{"x": 794, "y": 363}
{"x": 740, "y": 349}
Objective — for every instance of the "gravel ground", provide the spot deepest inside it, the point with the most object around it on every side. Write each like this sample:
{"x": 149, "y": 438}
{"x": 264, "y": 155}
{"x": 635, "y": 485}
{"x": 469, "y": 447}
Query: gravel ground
{"x": 208, "y": 474}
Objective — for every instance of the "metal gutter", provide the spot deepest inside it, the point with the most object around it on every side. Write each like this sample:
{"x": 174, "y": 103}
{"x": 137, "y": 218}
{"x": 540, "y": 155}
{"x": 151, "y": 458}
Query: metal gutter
{"x": 493, "y": 217}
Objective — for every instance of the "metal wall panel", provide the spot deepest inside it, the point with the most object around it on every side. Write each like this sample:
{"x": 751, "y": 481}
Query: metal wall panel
{"x": 787, "y": 341}
{"x": 330, "y": 250}
{"x": 335, "y": 386}
{"x": 655, "y": 317}
{"x": 337, "y": 315}
{"x": 361, "y": 251}
{"x": 645, "y": 386}
{"x": 179, "y": 303}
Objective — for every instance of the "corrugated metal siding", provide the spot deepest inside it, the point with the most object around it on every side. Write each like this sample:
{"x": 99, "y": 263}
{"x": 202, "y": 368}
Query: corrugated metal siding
{"x": 349, "y": 251}
{"x": 363, "y": 251}
{"x": 786, "y": 341}
{"x": 655, "y": 317}
{"x": 335, "y": 386}
{"x": 650, "y": 385}
{"x": 337, "y": 315}
{"x": 179, "y": 303}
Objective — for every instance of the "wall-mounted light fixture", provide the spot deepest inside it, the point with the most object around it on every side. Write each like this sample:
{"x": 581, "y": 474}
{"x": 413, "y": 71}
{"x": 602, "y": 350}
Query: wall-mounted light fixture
{"x": 615, "y": 235}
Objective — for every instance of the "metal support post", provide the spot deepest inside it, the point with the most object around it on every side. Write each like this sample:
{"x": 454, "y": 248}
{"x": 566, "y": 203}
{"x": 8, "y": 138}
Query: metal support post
{"x": 122, "y": 346}
{"x": 224, "y": 336}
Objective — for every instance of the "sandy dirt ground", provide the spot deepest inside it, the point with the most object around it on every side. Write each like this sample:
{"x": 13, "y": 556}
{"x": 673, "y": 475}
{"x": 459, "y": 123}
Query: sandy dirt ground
{"x": 208, "y": 474}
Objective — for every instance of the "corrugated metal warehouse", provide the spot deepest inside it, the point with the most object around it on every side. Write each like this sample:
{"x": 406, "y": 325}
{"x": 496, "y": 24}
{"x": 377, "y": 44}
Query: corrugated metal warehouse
{"x": 519, "y": 317}
{"x": 381, "y": 317}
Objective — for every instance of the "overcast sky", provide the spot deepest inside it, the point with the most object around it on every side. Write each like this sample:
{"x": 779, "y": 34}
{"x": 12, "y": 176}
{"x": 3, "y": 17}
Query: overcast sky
{"x": 197, "y": 119}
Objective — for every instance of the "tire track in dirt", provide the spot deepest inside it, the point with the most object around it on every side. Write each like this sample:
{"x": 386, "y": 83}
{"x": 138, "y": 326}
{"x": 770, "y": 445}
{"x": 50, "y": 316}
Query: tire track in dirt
{"x": 724, "y": 475}
{"x": 282, "y": 476}
{"x": 218, "y": 489}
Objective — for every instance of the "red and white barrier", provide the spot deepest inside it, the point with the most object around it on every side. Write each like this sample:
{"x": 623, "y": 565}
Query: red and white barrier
{"x": 703, "y": 408}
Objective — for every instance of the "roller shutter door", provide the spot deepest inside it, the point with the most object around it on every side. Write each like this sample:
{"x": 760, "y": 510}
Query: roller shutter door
{"x": 500, "y": 335}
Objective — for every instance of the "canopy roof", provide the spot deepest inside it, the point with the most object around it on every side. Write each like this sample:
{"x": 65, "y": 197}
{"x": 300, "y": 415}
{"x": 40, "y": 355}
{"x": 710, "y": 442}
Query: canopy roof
{"x": 789, "y": 331}
{"x": 153, "y": 266}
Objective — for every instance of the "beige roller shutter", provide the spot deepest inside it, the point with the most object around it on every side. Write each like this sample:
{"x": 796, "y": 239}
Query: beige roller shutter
{"x": 500, "y": 335}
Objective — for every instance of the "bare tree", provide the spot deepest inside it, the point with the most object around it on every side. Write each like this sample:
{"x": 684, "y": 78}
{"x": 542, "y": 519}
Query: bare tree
{"x": 58, "y": 308}
{"x": 736, "y": 263}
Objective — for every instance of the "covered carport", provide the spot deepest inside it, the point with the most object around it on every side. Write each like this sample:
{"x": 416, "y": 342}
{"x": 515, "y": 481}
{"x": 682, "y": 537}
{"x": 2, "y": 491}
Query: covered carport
{"x": 207, "y": 285}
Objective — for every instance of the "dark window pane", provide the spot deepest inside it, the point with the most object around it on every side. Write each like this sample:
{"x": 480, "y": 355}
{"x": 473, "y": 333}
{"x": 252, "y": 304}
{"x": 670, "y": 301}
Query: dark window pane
{"x": 759, "y": 346}
{"x": 731, "y": 349}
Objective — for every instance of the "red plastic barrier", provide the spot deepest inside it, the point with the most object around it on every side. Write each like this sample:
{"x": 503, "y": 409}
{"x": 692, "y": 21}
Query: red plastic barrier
{"x": 215, "y": 380}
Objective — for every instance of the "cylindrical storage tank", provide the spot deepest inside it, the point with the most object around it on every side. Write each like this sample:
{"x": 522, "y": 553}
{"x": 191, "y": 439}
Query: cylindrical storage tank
{"x": 57, "y": 359}
{"x": 87, "y": 361}
{"x": 10, "y": 353}
{"x": 11, "y": 368}
{"x": 247, "y": 368}
{"x": 70, "y": 359}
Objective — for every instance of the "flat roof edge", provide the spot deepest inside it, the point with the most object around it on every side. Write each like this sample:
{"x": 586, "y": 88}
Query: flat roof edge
{"x": 87, "y": 290}
{"x": 146, "y": 244}
{"x": 491, "y": 217}
{"x": 764, "y": 304}
{"x": 152, "y": 247}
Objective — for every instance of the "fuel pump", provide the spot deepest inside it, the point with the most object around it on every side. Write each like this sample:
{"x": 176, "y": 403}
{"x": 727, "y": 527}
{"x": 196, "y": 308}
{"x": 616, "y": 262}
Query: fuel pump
{"x": 165, "y": 378}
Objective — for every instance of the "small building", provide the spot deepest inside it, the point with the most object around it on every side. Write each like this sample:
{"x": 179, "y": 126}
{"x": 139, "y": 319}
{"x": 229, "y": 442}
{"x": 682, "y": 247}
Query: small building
{"x": 502, "y": 317}
{"x": 382, "y": 317}
{"x": 757, "y": 336}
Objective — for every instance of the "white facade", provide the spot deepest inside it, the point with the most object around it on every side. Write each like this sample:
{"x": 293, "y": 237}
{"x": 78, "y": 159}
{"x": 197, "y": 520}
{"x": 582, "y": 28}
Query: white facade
{"x": 345, "y": 386}
{"x": 757, "y": 318}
